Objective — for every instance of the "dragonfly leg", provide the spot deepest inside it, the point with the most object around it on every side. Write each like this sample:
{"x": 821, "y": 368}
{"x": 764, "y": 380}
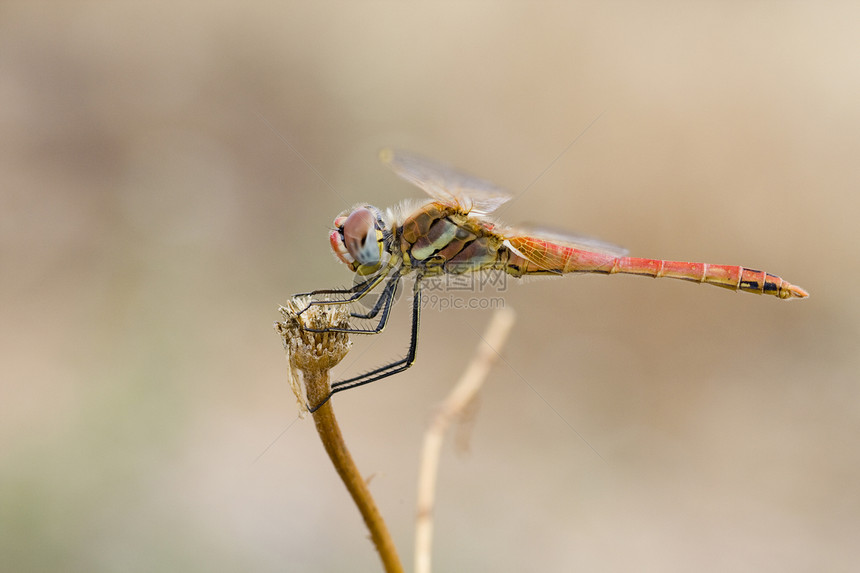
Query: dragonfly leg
{"x": 352, "y": 289}
{"x": 389, "y": 369}
{"x": 386, "y": 295}
{"x": 358, "y": 292}
{"x": 384, "y": 303}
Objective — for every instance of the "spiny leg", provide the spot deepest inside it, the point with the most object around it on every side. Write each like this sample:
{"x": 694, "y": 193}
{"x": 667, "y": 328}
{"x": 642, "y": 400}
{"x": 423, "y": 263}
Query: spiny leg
{"x": 385, "y": 302}
{"x": 391, "y": 285}
{"x": 358, "y": 291}
{"x": 389, "y": 369}
{"x": 349, "y": 290}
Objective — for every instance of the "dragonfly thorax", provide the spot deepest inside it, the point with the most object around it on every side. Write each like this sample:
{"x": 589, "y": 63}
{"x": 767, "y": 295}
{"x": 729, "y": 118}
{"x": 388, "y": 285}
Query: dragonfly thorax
{"x": 358, "y": 239}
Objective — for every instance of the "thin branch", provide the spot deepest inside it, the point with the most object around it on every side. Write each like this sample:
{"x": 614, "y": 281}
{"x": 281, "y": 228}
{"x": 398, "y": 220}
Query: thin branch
{"x": 311, "y": 356}
{"x": 457, "y": 401}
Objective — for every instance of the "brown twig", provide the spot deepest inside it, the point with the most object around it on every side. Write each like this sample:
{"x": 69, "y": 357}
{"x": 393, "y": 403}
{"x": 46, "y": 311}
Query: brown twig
{"x": 311, "y": 356}
{"x": 457, "y": 401}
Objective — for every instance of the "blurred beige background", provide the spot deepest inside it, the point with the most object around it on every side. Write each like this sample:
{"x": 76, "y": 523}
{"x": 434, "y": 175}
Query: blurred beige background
{"x": 167, "y": 178}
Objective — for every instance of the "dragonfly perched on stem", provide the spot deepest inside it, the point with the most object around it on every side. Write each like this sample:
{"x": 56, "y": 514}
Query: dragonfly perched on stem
{"x": 452, "y": 233}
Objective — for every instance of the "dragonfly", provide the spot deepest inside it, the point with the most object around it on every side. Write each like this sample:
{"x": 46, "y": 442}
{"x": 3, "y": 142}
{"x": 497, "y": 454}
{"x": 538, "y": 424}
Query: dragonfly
{"x": 453, "y": 232}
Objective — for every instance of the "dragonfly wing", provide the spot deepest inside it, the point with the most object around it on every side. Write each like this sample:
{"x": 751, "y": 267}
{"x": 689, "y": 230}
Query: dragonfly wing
{"x": 444, "y": 183}
{"x": 580, "y": 242}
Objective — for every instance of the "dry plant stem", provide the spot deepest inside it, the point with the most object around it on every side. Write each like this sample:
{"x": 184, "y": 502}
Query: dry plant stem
{"x": 335, "y": 446}
{"x": 313, "y": 355}
{"x": 459, "y": 398}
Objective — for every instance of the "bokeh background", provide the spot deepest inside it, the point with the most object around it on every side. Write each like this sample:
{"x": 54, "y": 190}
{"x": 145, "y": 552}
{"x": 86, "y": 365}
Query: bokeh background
{"x": 168, "y": 175}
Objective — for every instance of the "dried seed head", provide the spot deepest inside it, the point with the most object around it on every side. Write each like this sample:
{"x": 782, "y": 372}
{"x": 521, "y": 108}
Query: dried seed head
{"x": 312, "y": 354}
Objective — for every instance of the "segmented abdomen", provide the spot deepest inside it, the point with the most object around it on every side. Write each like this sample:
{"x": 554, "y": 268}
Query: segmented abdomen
{"x": 530, "y": 255}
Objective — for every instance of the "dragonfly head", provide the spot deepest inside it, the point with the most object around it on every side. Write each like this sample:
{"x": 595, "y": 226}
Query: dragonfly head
{"x": 358, "y": 239}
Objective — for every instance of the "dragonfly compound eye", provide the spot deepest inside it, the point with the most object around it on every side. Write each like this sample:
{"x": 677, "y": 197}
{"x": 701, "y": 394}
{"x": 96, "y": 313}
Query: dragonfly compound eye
{"x": 359, "y": 236}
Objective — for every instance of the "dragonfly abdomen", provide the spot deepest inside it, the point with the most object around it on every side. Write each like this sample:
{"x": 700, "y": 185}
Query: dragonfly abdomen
{"x": 535, "y": 256}
{"x": 725, "y": 276}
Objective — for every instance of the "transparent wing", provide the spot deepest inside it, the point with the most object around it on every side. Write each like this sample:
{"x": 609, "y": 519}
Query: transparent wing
{"x": 444, "y": 183}
{"x": 581, "y": 242}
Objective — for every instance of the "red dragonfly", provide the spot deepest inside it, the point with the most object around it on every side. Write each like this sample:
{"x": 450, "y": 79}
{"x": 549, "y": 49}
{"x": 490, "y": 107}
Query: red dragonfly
{"x": 452, "y": 233}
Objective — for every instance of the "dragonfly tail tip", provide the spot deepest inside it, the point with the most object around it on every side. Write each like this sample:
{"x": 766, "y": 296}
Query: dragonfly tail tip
{"x": 794, "y": 291}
